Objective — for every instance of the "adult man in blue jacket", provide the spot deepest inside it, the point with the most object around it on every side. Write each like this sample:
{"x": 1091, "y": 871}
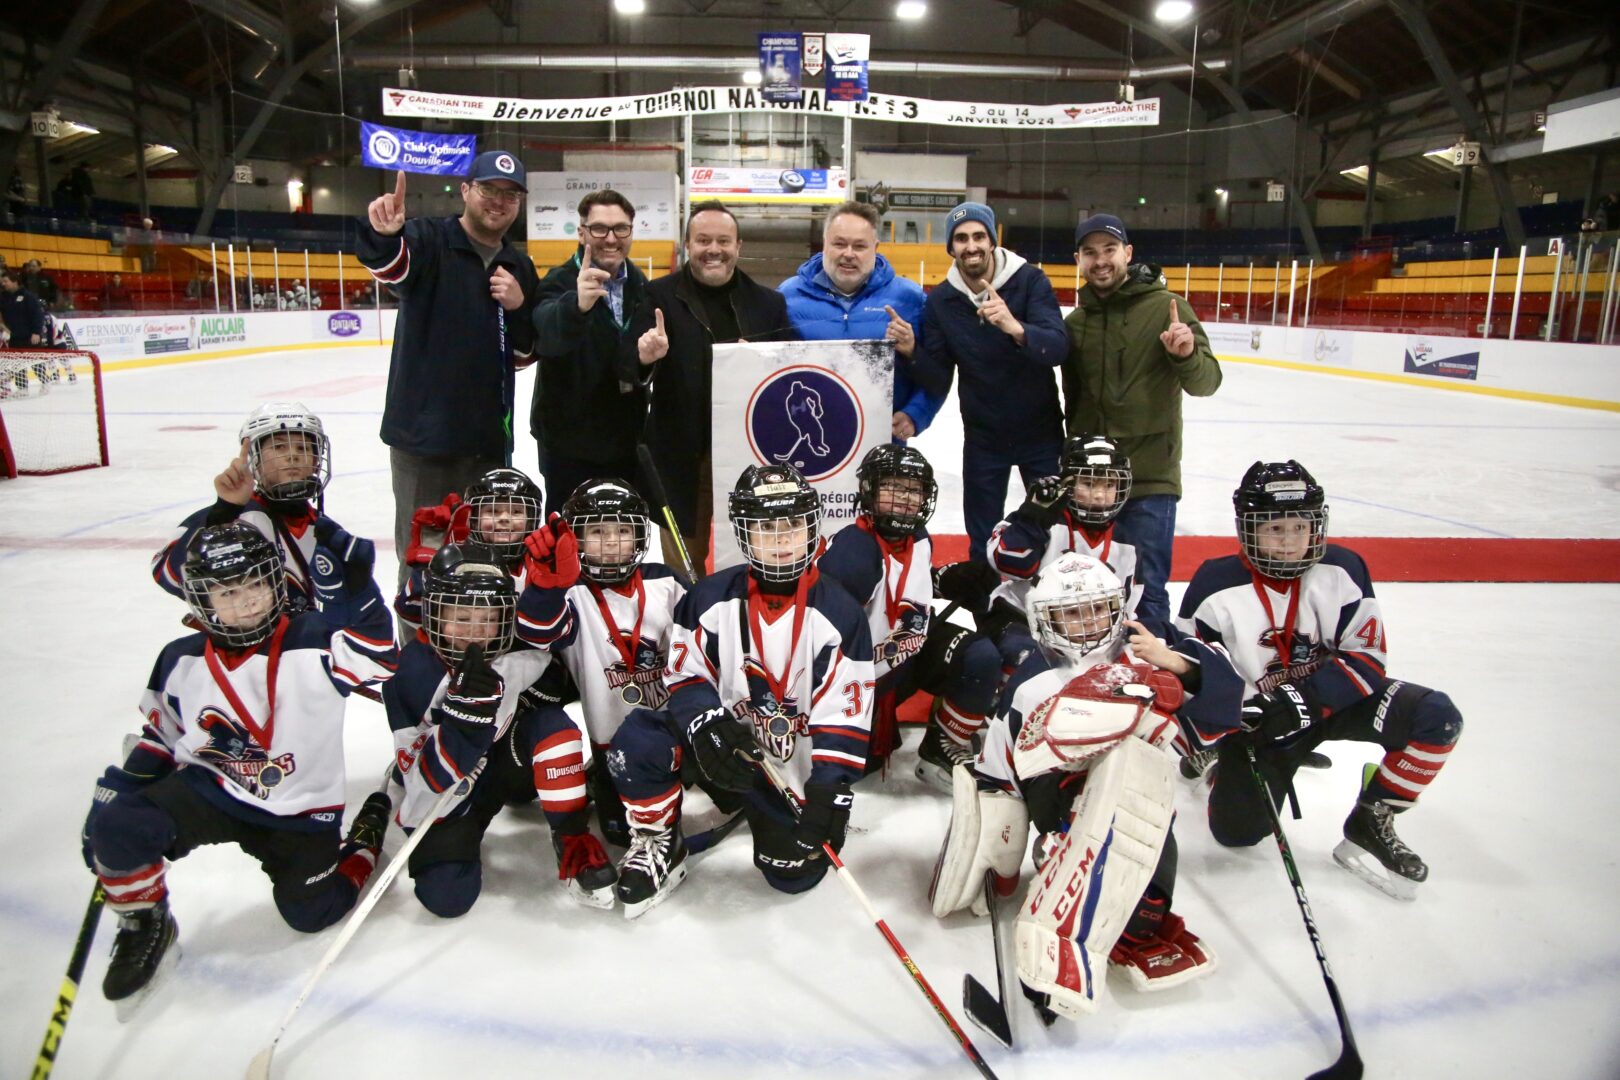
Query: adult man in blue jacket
{"x": 996, "y": 320}
{"x": 850, "y": 292}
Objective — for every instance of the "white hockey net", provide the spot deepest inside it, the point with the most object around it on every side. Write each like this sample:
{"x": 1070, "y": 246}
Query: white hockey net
{"x": 51, "y": 414}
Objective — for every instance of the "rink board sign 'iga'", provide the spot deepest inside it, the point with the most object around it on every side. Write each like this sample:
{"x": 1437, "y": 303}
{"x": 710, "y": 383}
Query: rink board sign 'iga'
{"x": 817, "y": 405}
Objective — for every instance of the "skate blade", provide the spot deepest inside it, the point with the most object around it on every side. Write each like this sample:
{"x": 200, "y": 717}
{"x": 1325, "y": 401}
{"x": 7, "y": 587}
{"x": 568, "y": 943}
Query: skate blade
{"x": 935, "y": 776}
{"x": 601, "y": 899}
{"x": 128, "y": 1008}
{"x": 1364, "y": 865}
{"x": 636, "y": 911}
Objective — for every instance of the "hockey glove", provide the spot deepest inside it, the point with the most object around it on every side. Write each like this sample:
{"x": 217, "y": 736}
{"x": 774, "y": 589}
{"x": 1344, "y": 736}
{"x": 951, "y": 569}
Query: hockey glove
{"x": 1044, "y": 501}
{"x": 473, "y": 698}
{"x": 724, "y": 749}
{"x": 552, "y": 555}
{"x": 112, "y": 783}
{"x": 437, "y": 522}
{"x": 824, "y": 817}
{"x": 944, "y": 651}
{"x": 1280, "y": 714}
{"x": 968, "y": 584}
{"x": 356, "y": 554}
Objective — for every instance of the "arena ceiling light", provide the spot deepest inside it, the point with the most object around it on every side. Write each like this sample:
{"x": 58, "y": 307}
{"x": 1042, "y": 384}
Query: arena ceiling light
{"x": 752, "y": 77}
{"x": 1172, "y": 11}
{"x": 630, "y": 7}
{"x": 910, "y": 10}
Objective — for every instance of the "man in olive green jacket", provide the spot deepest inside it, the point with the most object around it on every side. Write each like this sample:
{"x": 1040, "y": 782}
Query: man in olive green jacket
{"x": 1134, "y": 349}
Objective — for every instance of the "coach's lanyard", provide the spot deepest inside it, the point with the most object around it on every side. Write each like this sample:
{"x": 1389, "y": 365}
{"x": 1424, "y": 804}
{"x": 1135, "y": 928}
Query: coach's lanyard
{"x": 628, "y": 651}
{"x": 1285, "y": 633}
{"x": 756, "y": 610}
{"x": 266, "y": 735}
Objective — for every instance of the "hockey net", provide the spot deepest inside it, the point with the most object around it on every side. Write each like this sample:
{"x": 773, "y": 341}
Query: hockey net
{"x": 51, "y": 415}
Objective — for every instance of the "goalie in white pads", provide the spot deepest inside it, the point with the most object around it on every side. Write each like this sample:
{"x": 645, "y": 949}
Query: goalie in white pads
{"x": 1076, "y": 749}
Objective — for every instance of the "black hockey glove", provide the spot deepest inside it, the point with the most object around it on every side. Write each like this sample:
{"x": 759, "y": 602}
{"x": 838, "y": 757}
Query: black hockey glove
{"x": 473, "y": 699}
{"x": 968, "y": 584}
{"x": 354, "y": 554}
{"x": 1280, "y": 714}
{"x": 724, "y": 749}
{"x": 824, "y": 817}
{"x": 112, "y": 783}
{"x": 943, "y": 652}
{"x": 1044, "y": 501}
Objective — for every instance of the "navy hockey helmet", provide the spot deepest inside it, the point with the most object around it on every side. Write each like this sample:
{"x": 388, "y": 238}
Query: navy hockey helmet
{"x": 1281, "y": 518}
{"x": 776, "y": 517}
{"x": 235, "y": 584}
{"x": 912, "y": 490}
{"x": 619, "y": 544}
{"x": 503, "y": 508}
{"x": 468, "y": 597}
{"x": 299, "y": 464}
{"x": 1095, "y": 463}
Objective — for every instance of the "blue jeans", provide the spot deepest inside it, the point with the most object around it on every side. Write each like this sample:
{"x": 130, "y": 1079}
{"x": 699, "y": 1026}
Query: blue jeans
{"x": 1149, "y": 523}
{"x": 984, "y": 486}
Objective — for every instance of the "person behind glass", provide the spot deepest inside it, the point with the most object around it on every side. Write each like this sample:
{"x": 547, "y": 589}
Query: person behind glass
{"x": 996, "y": 320}
{"x": 1134, "y": 349}
{"x": 463, "y": 328}
{"x": 584, "y": 419}
{"x": 707, "y": 302}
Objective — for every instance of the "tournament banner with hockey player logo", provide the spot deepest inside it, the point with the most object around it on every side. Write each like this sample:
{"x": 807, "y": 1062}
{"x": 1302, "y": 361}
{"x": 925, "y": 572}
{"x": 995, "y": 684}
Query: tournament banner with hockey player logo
{"x": 817, "y": 405}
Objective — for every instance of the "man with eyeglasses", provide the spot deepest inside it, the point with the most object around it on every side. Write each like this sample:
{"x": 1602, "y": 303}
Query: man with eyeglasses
{"x": 584, "y": 419}
{"x": 464, "y": 327}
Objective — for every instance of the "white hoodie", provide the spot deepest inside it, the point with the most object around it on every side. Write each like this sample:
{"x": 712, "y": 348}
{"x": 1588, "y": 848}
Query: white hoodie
{"x": 1007, "y": 264}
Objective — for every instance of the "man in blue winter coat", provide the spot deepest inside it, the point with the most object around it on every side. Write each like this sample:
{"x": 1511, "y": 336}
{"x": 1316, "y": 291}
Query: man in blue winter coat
{"x": 996, "y": 320}
{"x": 849, "y": 292}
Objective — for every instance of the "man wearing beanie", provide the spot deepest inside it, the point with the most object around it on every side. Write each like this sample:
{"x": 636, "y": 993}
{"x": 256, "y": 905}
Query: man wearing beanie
{"x": 1134, "y": 349}
{"x": 996, "y": 321}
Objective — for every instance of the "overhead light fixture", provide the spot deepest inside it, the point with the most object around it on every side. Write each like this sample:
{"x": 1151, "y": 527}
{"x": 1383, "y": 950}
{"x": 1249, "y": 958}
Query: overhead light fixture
{"x": 1357, "y": 173}
{"x": 160, "y": 148}
{"x": 630, "y": 7}
{"x": 79, "y": 129}
{"x": 1221, "y": 192}
{"x": 910, "y": 10}
{"x": 1172, "y": 11}
{"x": 751, "y": 77}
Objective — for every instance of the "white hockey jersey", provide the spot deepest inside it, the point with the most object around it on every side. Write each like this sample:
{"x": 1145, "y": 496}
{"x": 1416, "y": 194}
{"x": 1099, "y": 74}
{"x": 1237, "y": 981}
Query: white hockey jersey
{"x": 1020, "y": 551}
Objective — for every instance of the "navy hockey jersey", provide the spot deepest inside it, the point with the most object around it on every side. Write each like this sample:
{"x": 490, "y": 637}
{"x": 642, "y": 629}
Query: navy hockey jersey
{"x": 293, "y": 534}
{"x": 892, "y": 582}
{"x": 1020, "y": 550}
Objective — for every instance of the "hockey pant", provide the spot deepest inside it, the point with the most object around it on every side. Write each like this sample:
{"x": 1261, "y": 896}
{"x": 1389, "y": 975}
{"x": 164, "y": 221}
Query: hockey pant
{"x": 1416, "y": 726}
{"x": 169, "y": 819}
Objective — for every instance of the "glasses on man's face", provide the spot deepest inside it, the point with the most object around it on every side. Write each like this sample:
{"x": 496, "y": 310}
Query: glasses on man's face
{"x": 491, "y": 193}
{"x": 600, "y": 232}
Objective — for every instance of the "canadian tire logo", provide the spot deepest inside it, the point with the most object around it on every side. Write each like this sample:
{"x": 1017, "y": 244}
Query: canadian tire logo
{"x": 805, "y": 416}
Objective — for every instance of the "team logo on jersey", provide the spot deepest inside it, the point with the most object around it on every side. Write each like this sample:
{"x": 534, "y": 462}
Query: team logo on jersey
{"x": 777, "y": 724}
{"x": 907, "y": 637}
{"x": 1305, "y": 657}
{"x": 806, "y": 416}
{"x": 232, "y": 750}
{"x": 644, "y": 686}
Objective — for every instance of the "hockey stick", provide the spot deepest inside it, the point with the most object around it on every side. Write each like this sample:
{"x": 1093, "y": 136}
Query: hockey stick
{"x": 65, "y": 997}
{"x": 843, "y": 874}
{"x": 1349, "y": 1066}
{"x": 655, "y": 488}
{"x": 259, "y": 1067}
{"x": 989, "y": 1010}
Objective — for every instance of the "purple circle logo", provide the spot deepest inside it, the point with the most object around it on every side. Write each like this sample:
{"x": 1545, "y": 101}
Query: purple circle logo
{"x": 805, "y": 416}
{"x": 343, "y": 324}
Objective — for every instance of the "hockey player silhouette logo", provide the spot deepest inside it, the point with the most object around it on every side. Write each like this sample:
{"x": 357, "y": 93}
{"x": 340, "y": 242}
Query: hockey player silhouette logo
{"x": 232, "y": 751}
{"x": 1304, "y": 657}
{"x": 805, "y": 416}
{"x": 643, "y": 686}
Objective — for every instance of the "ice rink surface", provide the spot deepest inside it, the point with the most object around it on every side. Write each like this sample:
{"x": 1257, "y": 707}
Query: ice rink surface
{"x": 1505, "y": 966}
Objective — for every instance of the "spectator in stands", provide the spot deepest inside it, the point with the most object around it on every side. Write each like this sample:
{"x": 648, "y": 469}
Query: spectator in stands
{"x": 1134, "y": 349}
{"x": 584, "y": 420}
{"x": 996, "y": 320}
{"x": 708, "y": 301}
{"x": 16, "y": 195}
{"x": 115, "y": 295}
{"x": 850, "y": 292}
{"x": 83, "y": 190}
{"x": 36, "y": 281}
{"x": 1608, "y": 212}
{"x": 465, "y": 300}
{"x": 199, "y": 286}
{"x": 21, "y": 312}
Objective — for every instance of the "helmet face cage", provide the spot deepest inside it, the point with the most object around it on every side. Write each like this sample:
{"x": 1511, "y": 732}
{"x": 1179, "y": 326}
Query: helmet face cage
{"x": 1270, "y": 540}
{"x": 1097, "y": 460}
{"x": 221, "y": 586}
{"x": 897, "y": 467}
{"x": 475, "y": 603}
{"x": 613, "y": 555}
{"x": 1079, "y": 624}
{"x": 282, "y": 428}
{"x": 501, "y": 500}
{"x": 769, "y": 501}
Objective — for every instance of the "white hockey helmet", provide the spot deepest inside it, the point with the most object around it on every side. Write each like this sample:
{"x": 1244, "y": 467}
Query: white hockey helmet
{"x": 1076, "y": 607}
{"x": 290, "y": 417}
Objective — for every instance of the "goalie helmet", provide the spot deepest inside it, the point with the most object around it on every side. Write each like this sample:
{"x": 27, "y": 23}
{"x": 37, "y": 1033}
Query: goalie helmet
{"x": 503, "y": 489}
{"x": 468, "y": 597}
{"x": 768, "y": 507}
{"x": 1098, "y": 459}
{"x": 301, "y": 430}
{"x": 902, "y": 464}
{"x": 1281, "y": 518}
{"x": 1077, "y": 607}
{"x": 613, "y": 558}
{"x": 235, "y": 584}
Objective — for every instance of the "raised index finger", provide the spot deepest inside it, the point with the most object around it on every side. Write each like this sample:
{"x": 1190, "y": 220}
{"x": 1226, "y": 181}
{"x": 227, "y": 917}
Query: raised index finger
{"x": 399, "y": 189}
{"x": 584, "y": 257}
{"x": 658, "y": 319}
{"x": 892, "y": 313}
{"x": 1175, "y": 312}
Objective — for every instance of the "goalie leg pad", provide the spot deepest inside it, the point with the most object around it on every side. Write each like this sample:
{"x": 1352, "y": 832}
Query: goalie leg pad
{"x": 1091, "y": 881}
{"x": 987, "y": 832}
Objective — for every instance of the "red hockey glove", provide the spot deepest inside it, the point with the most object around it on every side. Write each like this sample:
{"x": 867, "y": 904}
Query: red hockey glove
{"x": 552, "y": 555}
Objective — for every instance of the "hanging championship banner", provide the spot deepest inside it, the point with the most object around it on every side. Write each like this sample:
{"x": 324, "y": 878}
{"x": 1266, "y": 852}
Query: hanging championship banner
{"x": 416, "y": 151}
{"x": 817, "y": 405}
{"x": 707, "y": 100}
{"x": 779, "y": 67}
{"x": 847, "y": 55}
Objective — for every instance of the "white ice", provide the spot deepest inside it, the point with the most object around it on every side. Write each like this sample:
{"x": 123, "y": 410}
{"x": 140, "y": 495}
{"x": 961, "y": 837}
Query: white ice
{"x": 1505, "y": 966}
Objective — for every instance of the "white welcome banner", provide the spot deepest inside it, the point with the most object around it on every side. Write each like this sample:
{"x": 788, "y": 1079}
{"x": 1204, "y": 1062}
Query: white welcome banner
{"x": 704, "y": 100}
{"x": 817, "y": 405}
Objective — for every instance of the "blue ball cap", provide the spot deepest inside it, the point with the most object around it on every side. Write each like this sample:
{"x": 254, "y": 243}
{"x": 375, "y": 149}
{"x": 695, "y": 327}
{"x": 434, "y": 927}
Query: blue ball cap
{"x": 1104, "y": 223}
{"x": 497, "y": 165}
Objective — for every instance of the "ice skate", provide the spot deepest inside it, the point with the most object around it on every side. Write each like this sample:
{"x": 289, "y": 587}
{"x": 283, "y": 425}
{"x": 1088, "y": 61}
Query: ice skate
{"x": 938, "y": 756}
{"x": 146, "y": 948}
{"x": 1196, "y": 765}
{"x": 587, "y": 874}
{"x": 651, "y": 869}
{"x": 1371, "y": 851}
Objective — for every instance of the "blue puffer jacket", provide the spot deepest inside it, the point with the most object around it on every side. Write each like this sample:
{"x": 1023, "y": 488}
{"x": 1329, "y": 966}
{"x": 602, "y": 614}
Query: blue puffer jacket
{"x": 821, "y": 313}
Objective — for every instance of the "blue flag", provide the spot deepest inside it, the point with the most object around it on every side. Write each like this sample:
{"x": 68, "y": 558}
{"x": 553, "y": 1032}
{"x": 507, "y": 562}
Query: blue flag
{"x": 416, "y": 151}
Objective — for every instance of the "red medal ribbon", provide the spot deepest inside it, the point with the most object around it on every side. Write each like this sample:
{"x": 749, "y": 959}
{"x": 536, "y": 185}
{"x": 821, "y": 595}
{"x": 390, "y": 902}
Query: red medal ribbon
{"x": 1286, "y": 632}
{"x": 756, "y": 609}
{"x": 266, "y": 735}
{"x": 614, "y": 633}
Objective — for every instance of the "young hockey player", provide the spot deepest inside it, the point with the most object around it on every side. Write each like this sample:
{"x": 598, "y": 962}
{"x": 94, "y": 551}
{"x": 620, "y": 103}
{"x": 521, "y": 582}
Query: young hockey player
{"x": 457, "y": 710}
{"x": 1305, "y": 632}
{"x": 243, "y": 744}
{"x": 766, "y": 659}
{"x": 607, "y": 614}
{"x": 883, "y": 561}
{"x": 1075, "y": 748}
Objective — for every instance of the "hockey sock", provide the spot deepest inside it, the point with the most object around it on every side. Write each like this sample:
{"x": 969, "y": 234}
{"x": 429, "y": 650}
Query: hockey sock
{"x": 135, "y": 890}
{"x": 357, "y": 866}
{"x": 1405, "y": 773}
{"x": 659, "y": 811}
{"x": 958, "y": 724}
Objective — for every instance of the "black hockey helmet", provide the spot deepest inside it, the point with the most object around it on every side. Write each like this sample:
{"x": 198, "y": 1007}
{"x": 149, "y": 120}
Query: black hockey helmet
{"x": 886, "y": 461}
{"x": 775, "y": 499}
{"x": 225, "y": 567}
{"x": 502, "y": 491}
{"x": 468, "y": 596}
{"x": 1276, "y": 490}
{"x": 1097, "y": 458}
{"x": 608, "y": 502}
